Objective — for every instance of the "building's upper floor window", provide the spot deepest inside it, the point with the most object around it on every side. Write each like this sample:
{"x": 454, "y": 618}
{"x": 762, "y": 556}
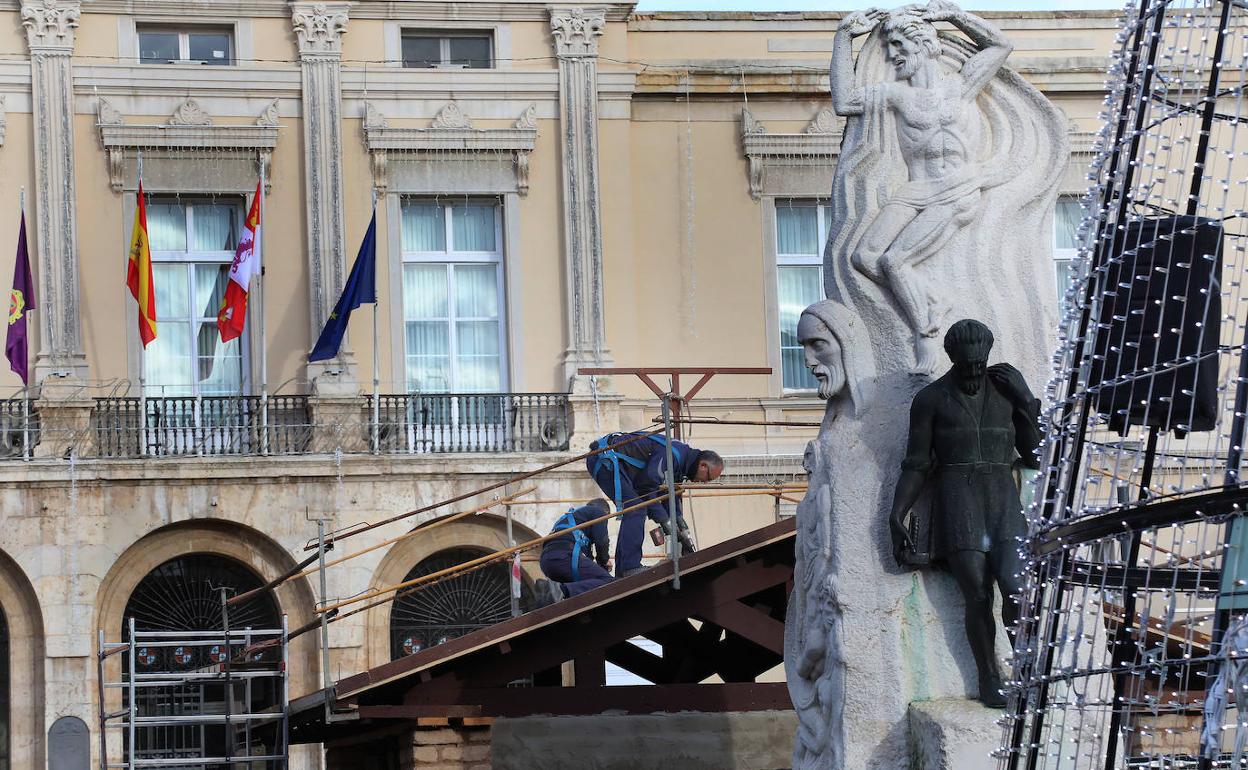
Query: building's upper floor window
{"x": 185, "y": 45}
{"x": 801, "y": 229}
{"x": 1066, "y": 218}
{"x": 193, "y": 242}
{"x": 453, "y": 295}
{"x": 464, "y": 50}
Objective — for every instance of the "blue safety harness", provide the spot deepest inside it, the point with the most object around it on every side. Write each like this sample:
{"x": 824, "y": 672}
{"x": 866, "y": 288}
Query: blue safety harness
{"x": 615, "y": 458}
{"x": 580, "y": 541}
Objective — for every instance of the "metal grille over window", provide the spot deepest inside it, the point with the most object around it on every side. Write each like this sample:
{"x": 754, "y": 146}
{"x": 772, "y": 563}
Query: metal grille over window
{"x": 434, "y": 613}
{"x": 196, "y": 676}
{"x": 1130, "y": 653}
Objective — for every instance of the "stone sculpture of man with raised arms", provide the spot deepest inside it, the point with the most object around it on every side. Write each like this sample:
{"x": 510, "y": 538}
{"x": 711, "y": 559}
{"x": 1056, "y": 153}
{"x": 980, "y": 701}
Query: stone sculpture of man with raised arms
{"x": 929, "y": 112}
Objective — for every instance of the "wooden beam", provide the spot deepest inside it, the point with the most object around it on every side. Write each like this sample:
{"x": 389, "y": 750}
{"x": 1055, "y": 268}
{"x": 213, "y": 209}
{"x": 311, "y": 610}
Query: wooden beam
{"x": 570, "y": 701}
{"x": 745, "y": 621}
{"x": 590, "y": 669}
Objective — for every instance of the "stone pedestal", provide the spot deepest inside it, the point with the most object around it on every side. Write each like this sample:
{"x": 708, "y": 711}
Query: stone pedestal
{"x": 447, "y": 748}
{"x": 592, "y": 418}
{"x": 339, "y": 424}
{"x": 953, "y": 734}
{"x": 64, "y": 420}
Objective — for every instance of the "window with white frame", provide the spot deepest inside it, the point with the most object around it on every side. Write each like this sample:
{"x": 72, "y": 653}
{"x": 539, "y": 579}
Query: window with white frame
{"x": 801, "y": 229}
{"x": 453, "y": 295}
{"x": 193, "y": 243}
{"x": 161, "y": 44}
{"x": 467, "y": 49}
{"x": 1066, "y": 218}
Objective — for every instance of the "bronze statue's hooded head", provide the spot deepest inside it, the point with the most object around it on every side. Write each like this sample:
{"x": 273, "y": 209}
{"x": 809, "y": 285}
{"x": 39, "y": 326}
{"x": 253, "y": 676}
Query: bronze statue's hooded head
{"x": 968, "y": 343}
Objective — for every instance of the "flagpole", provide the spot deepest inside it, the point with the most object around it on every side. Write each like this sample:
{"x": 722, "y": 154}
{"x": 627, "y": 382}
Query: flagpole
{"x": 142, "y": 345}
{"x": 264, "y": 296}
{"x": 376, "y": 357}
{"x": 21, "y": 204}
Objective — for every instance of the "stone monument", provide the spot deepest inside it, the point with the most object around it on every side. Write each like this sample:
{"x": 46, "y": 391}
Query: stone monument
{"x": 942, "y": 209}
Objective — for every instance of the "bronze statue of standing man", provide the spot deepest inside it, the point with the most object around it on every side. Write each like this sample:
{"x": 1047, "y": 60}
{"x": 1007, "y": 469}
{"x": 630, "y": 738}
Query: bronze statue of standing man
{"x": 969, "y": 430}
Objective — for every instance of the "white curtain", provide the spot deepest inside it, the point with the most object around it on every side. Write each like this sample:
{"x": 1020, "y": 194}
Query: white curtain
{"x": 427, "y": 330}
{"x": 424, "y": 226}
{"x": 473, "y": 227}
{"x": 797, "y": 229}
{"x": 799, "y": 287}
{"x": 214, "y": 227}
{"x": 1066, "y": 219}
{"x": 476, "y": 291}
{"x": 166, "y": 226}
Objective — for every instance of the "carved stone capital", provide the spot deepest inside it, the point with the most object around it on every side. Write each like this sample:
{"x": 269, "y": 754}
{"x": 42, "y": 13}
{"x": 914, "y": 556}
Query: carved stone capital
{"x": 50, "y": 24}
{"x": 319, "y": 27}
{"x": 576, "y": 30}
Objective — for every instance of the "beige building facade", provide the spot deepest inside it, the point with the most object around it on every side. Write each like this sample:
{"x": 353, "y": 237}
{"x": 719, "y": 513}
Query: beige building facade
{"x": 555, "y": 186}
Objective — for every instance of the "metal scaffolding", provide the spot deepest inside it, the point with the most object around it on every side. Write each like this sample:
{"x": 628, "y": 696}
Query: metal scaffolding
{"x": 196, "y": 699}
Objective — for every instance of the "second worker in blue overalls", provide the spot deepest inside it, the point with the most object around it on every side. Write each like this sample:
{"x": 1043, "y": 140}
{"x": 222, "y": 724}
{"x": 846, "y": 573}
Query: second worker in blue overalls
{"x": 634, "y": 472}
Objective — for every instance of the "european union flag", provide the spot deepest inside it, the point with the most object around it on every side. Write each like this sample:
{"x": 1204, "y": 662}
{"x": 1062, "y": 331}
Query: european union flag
{"x": 361, "y": 287}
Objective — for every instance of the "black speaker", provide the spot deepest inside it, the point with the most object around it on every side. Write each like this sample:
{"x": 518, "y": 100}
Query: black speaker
{"x": 1155, "y": 360}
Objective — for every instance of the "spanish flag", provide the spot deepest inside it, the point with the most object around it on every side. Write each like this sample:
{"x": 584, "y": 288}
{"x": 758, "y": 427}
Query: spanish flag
{"x": 139, "y": 273}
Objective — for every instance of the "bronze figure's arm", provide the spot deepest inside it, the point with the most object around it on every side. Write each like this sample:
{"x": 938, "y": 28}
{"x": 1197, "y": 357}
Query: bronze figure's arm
{"x": 914, "y": 471}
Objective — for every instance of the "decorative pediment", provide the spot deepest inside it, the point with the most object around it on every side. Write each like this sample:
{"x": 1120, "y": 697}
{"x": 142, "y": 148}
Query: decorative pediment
{"x": 451, "y": 136}
{"x": 190, "y": 128}
{"x": 791, "y": 164}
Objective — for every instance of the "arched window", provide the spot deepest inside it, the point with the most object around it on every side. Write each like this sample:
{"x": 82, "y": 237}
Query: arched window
{"x": 433, "y": 613}
{"x": 184, "y": 594}
{"x": 4, "y": 691}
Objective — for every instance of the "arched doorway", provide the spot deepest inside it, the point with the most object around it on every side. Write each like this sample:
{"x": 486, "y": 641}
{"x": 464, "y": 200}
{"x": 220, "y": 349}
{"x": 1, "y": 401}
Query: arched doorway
{"x": 183, "y": 594}
{"x": 4, "y": 691}
{"x": 434, "y": 613}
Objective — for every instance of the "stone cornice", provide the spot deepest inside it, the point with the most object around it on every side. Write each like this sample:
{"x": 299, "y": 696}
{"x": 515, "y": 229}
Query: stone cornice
{"x": 818, "y": 144}
{"x": 394, "y": 10}
{"x": 319, "y": 27}
{"x": 455, "y": 134}
{"x": 50, "y": 24}
{"x": 576, "y": 31}
{"x": 189, "y": 128}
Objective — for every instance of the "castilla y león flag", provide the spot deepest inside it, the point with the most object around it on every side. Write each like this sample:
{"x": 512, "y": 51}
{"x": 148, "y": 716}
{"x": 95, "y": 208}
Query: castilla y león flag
{"x": 139, "y": 272}
{"x": 246, "y": 263}
{"x": 21, "y": 301}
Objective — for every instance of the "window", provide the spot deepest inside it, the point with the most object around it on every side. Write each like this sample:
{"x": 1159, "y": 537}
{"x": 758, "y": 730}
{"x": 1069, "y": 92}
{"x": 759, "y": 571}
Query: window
{"x": 453, "y": 296}
{"x": 185, "y": 45}
{"x": 1066, "y": 218}
{"x": 463, "y": 50}
{"x": 193, "y": 243}
{"x": 801, "y": 229}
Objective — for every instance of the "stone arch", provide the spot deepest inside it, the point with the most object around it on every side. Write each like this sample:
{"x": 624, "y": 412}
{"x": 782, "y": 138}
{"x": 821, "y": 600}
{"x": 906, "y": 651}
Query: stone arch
{"x": 24, "y": 618}
{"x": 239, "y": 543}
{"x": 484, "y": 531}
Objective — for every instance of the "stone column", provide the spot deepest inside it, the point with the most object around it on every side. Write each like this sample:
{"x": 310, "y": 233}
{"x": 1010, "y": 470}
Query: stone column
{"x": 320, "y": 27}
{"x": 50, "y": 36}
{"x": 576, "y": 32}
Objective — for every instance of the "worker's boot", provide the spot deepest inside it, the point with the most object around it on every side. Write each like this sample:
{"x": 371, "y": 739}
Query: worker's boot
{"x": 547, "y": 592}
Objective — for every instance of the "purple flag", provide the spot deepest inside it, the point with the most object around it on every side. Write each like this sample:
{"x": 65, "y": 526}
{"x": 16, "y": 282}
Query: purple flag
{"x": 21, "y": 301}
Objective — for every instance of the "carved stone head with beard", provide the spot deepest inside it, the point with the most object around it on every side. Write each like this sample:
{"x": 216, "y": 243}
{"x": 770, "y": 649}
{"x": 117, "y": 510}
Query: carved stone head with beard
{"x": 909, "y": 39}
{"x": 823, "y": 355}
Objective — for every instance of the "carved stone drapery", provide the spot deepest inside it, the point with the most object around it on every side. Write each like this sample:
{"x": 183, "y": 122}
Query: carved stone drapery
{"x": 50, "y": 26}
{"x": 450, "y": 135}
{"x": 188, "y": 129}
{"x": 319, "y": 28}
{"x": 802, "y": 163}
{"x": 576, "y": 32}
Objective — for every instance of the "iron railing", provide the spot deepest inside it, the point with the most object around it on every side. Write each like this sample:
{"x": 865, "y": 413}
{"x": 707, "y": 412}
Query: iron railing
{"x": 424, "y": 423}
{"x": 19, "y": 427}
{"x": 205, "y": 426}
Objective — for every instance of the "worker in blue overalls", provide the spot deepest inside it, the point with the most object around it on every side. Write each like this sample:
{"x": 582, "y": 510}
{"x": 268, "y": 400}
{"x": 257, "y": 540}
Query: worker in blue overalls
{"x": 633, "y": 472}
{"x": 568, "y": 560}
